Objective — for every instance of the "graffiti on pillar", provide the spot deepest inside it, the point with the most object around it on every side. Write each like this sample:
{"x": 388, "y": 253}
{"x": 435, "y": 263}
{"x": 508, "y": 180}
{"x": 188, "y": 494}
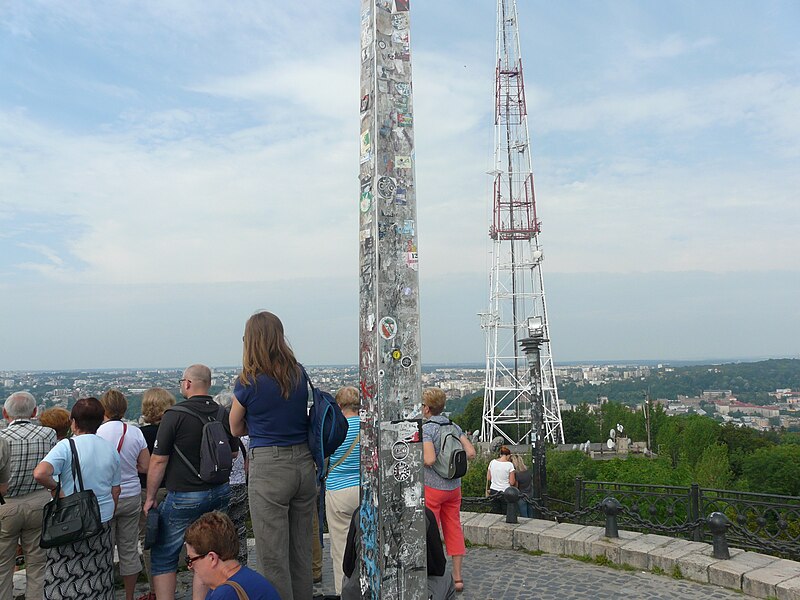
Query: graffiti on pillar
{"x": 392, "y": 490}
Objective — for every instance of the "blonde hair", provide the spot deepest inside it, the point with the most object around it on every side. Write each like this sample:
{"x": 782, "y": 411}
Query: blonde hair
{"x": 154, "y": 402}
{"x": 347, "y": 397}
{"x": 519, "y": 463}
{"x": 434, "y": 398}
{"x": 266, "y": 352}
{"x": 114, "y": 404}
{"x": 56, "y": 418}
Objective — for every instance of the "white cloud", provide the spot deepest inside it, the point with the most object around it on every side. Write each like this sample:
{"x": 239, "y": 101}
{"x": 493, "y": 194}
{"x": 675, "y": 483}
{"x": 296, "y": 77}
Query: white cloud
{"x": 671, "y": 46}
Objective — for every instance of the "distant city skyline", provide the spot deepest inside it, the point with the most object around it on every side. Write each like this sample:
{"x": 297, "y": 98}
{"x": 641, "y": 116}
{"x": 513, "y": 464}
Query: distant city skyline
{"x": 167, "y": 169}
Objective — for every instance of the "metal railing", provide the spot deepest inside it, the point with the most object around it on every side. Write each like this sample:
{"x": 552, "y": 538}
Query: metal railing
{"x": 765, "y": 522}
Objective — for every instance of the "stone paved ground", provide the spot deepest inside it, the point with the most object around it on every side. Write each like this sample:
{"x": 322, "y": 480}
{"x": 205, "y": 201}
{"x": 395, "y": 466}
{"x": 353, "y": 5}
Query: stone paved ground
{"x": 508, "y": 575}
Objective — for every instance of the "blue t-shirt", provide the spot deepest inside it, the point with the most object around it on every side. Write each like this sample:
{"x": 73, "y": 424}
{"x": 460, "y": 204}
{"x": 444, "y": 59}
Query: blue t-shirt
{"x": 348, "y": 472}
{"x": 254, "y": 585}
{"x": 99, "y": 468}
{"x": 273, "y": 420}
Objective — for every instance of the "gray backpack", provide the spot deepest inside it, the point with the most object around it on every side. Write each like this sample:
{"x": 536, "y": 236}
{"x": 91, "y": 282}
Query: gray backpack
{"x": 216, "y": 458}
{"x": 451, "y": 460}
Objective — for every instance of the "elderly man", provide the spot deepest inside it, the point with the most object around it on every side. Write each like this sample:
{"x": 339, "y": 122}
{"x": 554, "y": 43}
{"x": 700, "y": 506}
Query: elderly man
{"x": 176, "y": 461}
{"x": 21, "y": 515}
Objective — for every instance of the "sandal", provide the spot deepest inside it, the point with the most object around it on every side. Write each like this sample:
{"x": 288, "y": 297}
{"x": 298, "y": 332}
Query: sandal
{"x": 459, "y": 585}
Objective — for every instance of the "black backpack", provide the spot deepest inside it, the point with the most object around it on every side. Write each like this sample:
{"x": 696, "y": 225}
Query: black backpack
{"x": 216, "y": 458}
{"x": 451, "y": 460}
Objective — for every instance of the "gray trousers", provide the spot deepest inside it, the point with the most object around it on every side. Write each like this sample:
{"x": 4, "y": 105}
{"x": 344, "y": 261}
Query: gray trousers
{"x": 282, "y": 491}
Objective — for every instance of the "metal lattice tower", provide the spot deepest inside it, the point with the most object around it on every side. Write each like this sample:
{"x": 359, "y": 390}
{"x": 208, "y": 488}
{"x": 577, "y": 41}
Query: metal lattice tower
{"x": 516, "y": 283}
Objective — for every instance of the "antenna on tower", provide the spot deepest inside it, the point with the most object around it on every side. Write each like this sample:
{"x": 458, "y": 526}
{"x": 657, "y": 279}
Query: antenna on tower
{"x": 516, "y": 282}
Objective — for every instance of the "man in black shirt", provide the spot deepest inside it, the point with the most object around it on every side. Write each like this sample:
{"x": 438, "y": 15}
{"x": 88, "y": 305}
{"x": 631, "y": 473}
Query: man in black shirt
{"x": 189, "y": 496}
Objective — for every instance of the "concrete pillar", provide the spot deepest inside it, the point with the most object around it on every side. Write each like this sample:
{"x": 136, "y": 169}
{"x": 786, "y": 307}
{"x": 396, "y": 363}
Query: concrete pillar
{"x": 392, "y": 517}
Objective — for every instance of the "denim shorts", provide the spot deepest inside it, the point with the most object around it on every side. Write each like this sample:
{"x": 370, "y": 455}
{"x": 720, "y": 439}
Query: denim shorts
{"x": 176, "y": 513}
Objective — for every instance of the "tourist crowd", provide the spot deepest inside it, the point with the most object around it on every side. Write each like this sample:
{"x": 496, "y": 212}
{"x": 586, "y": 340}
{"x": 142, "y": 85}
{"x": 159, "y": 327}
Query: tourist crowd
{"x": 159, "y": 507}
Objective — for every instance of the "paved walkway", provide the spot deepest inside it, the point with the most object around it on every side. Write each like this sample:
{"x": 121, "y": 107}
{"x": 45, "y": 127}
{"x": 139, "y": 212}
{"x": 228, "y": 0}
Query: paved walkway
{"x": 491, "y": 574}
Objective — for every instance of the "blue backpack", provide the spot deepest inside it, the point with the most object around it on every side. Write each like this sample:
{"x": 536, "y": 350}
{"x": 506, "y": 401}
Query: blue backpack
{"x": 327, "y": 427}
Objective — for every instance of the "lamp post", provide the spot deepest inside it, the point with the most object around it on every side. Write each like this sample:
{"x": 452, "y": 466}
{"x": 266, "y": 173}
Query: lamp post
{"x": 530, "y": 346}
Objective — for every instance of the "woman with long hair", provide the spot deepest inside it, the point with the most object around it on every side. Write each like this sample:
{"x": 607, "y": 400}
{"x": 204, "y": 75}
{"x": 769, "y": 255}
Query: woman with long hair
{"x": 271, "y": 406}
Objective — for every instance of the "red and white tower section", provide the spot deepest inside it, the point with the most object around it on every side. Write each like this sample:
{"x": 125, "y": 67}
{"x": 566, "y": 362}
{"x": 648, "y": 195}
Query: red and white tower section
{"x": 516, "y": 284}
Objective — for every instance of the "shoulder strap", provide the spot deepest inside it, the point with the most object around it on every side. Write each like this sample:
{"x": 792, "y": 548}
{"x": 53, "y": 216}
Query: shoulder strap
{"x": 76, "y": 466}
{"x": 124, "y": 431}
{"x": 187, "y": 411}
{"x": 187, "y": 462}
{"x": 240, "y": 593}
{"x": 346, "y": 454}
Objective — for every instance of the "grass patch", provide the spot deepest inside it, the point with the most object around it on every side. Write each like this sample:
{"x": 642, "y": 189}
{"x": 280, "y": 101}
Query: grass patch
{"x": 658, "y": 571}
{"x": 600, "y": 561}
{"x": 677, "y": 573}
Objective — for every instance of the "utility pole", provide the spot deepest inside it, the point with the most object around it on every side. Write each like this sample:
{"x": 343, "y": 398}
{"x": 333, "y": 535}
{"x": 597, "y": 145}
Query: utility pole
{"x": 516, "y": 282}
{"x": 532, "y": 348}
{"x": 392, "y": 518}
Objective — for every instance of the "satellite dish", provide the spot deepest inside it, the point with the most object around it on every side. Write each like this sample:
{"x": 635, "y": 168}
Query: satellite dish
{"x": 610, "y": 444}
{"x": 620, "y": 428}
{"x": 612, "y": 434}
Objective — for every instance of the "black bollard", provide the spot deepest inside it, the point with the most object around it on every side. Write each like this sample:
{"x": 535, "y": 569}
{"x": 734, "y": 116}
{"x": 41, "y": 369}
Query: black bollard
{"x": 511, "y": 496}
{"x": 718, "y": 525}
{"x": 611, "y": 507}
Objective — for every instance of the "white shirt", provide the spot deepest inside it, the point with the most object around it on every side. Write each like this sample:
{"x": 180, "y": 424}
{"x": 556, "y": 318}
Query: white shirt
{"x": 132, "y": 446}
{"x": 500, "y": 471}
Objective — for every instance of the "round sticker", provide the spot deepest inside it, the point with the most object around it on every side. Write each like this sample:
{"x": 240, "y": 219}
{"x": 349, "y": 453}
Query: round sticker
{"x": 400, "y": 451}
{"x": 388, "y": 328}
{"x": 406, "y": 362}
{"x": 380, "y": 373}
{"x": 396, "y": 354}
{"x": 401, "y": 471}
{"x": 386, "y": 186}
{"x": 366, "y": 201}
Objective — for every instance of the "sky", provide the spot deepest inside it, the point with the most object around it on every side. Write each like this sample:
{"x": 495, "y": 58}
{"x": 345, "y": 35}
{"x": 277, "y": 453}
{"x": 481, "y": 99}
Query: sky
{"x": 169, "y": 167}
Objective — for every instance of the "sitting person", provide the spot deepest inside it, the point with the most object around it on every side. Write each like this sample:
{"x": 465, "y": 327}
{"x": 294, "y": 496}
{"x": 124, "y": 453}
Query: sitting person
{"x": 440, "y": 583}
{"x": 212, "y": 546}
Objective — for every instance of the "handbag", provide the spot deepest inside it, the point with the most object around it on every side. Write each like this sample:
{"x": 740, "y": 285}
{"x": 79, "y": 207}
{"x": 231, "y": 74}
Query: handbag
{"x": 71, "y": 518}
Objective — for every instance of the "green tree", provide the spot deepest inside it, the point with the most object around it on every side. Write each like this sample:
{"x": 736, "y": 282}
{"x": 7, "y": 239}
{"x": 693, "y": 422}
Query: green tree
{"x": 470, "y": 419}
{"x": 563, "y": 468}
{"x": 741, "y": 442}
{"x": 774, "y": 470}
{"x": 698, "y": 434}
{"x": 579, "y": 425}
{"x": 713, "y": 469}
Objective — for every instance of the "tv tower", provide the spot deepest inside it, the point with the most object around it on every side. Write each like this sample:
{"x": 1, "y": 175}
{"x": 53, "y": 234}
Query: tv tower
{"x": 517, "y": 304}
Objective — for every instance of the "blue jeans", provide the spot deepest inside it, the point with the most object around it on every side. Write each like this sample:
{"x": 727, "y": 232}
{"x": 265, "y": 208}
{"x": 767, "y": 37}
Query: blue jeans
{"x": 175, "y": 514}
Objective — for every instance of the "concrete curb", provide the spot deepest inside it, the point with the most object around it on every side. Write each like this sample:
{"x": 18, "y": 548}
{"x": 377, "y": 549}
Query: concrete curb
{"x": 757, "y": 575}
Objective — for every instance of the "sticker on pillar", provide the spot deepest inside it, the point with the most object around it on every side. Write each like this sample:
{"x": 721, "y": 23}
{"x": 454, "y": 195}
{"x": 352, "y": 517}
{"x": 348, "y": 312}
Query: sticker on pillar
{"x": 382, "y": 44}
{"x": 402, "y": 162}
{"x": 400, "y": 21}
{"x": 406, "y": 362}
{"x": 397, "y": 354}
{"x": 364, "y": 103}
{"x": 401, "y": 471}
{"x": 366, "y": 142}
{"x": 407, "y": 291}
{"x": 400, "y": 451}
{"x": 408, "y": 227}
{"x": 388, "y": 328}
{"x": 405, "y": 119}
{"x": 381, "y": 373}
{"x": 386, "y": 186}
{"x": 370, "y": 322}
{"x": 401, "y": 5}
{"x": 400, "y": 37}
{"x": 402, "y": 88}
{"x": 400, "y": 196}
{"x": 366, "y": 201}
{"x": 412, "y": 260}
